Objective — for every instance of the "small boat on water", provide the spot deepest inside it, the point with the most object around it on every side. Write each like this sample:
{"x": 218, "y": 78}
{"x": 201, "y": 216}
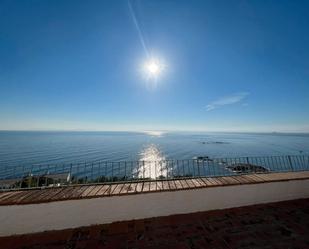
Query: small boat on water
{"x": 246, "y": 168}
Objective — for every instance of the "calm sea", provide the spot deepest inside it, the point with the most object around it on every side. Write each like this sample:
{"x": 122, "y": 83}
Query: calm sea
{"x": 24, "y": 148}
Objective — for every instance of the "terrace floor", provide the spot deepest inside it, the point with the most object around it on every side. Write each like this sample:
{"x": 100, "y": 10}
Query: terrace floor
{"x": 277, "y": 225}
{"x": 28, "y": 196}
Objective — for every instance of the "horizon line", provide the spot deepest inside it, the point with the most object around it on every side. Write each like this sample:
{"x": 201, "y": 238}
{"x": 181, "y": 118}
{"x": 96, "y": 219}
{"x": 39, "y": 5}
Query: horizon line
{"x": 153, "y": 130}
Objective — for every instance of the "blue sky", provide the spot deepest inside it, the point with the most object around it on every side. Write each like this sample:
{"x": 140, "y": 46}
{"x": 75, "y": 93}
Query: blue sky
{"x": 228, "y": 65}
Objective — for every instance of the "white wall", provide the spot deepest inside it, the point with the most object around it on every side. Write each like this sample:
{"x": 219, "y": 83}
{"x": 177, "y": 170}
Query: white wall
{"x": 22, "y": 219}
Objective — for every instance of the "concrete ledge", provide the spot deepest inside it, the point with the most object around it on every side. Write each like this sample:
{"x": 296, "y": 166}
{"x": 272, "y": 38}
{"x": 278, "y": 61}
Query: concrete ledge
{"x": 32, "y": 218}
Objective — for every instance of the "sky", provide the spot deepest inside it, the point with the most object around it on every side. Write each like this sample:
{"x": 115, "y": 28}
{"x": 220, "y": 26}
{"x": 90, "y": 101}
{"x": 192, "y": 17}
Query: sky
{"x": 224, "y": 65}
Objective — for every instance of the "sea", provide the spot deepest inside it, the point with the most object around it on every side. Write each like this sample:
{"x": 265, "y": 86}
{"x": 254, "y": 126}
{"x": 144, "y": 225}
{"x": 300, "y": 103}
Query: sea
{"x": 19, "y": 148}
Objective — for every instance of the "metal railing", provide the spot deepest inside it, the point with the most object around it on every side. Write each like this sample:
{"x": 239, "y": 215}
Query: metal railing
{"x": 42, "y": 175}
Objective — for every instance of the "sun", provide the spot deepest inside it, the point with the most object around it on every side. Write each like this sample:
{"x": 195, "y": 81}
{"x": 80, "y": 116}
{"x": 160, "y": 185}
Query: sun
{"x": 153, "y": 68}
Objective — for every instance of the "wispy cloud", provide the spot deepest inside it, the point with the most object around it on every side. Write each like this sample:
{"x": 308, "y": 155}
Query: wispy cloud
{"x": 227, "y": 100}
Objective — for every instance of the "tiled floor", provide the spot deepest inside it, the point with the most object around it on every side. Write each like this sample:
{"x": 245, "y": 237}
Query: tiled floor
{"x": 104, "y": 190}
{"x": 276, "y": 226}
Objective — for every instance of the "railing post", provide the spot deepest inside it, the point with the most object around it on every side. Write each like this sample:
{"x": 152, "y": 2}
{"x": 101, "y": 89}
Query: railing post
{"x": 183, "y": 168}
{"x": 203, "y": 168}
{"x": 106, "y": 171}
{"x": 22, "y": 177}
{"x": 77, "y": 174}
{"x": 155, "y": 177}
{"x": 143, "y": 170}
{"x": 99, "y": 173}
{"x": 119, "y": 172}
{"x": 85, "y": 171}
{"x": 132, "y": 169}
{"x": 303, "y": 162}
{"x": 30, "y": 177}
{"x": 71, "y": 166}
{"x": 38, "y": 177}
{"x": 290, "y": 161}
{"x": 125, "y": 170}
{"x": 46, "y": 175}
{"x": 193, "y": 167}
{"x": 91, "y": 172}
{"x": 188, "y": 167}
{"x": 198, "y": 168}
{"x": 248, "y": 162}
{"x": 112, "y": 171}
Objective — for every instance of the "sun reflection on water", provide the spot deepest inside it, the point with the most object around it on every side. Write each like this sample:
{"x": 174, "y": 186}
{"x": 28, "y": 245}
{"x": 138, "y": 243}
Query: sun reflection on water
{"x": 155, "y": 133}
{"x": 152, "y": 163}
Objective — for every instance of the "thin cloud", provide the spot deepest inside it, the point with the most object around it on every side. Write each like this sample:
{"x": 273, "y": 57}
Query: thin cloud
{"x": 227, "y": 100}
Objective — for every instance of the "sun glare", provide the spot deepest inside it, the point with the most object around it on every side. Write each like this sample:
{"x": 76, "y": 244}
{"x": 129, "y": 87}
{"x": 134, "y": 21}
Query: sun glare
{"x": 153, "y": 69}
